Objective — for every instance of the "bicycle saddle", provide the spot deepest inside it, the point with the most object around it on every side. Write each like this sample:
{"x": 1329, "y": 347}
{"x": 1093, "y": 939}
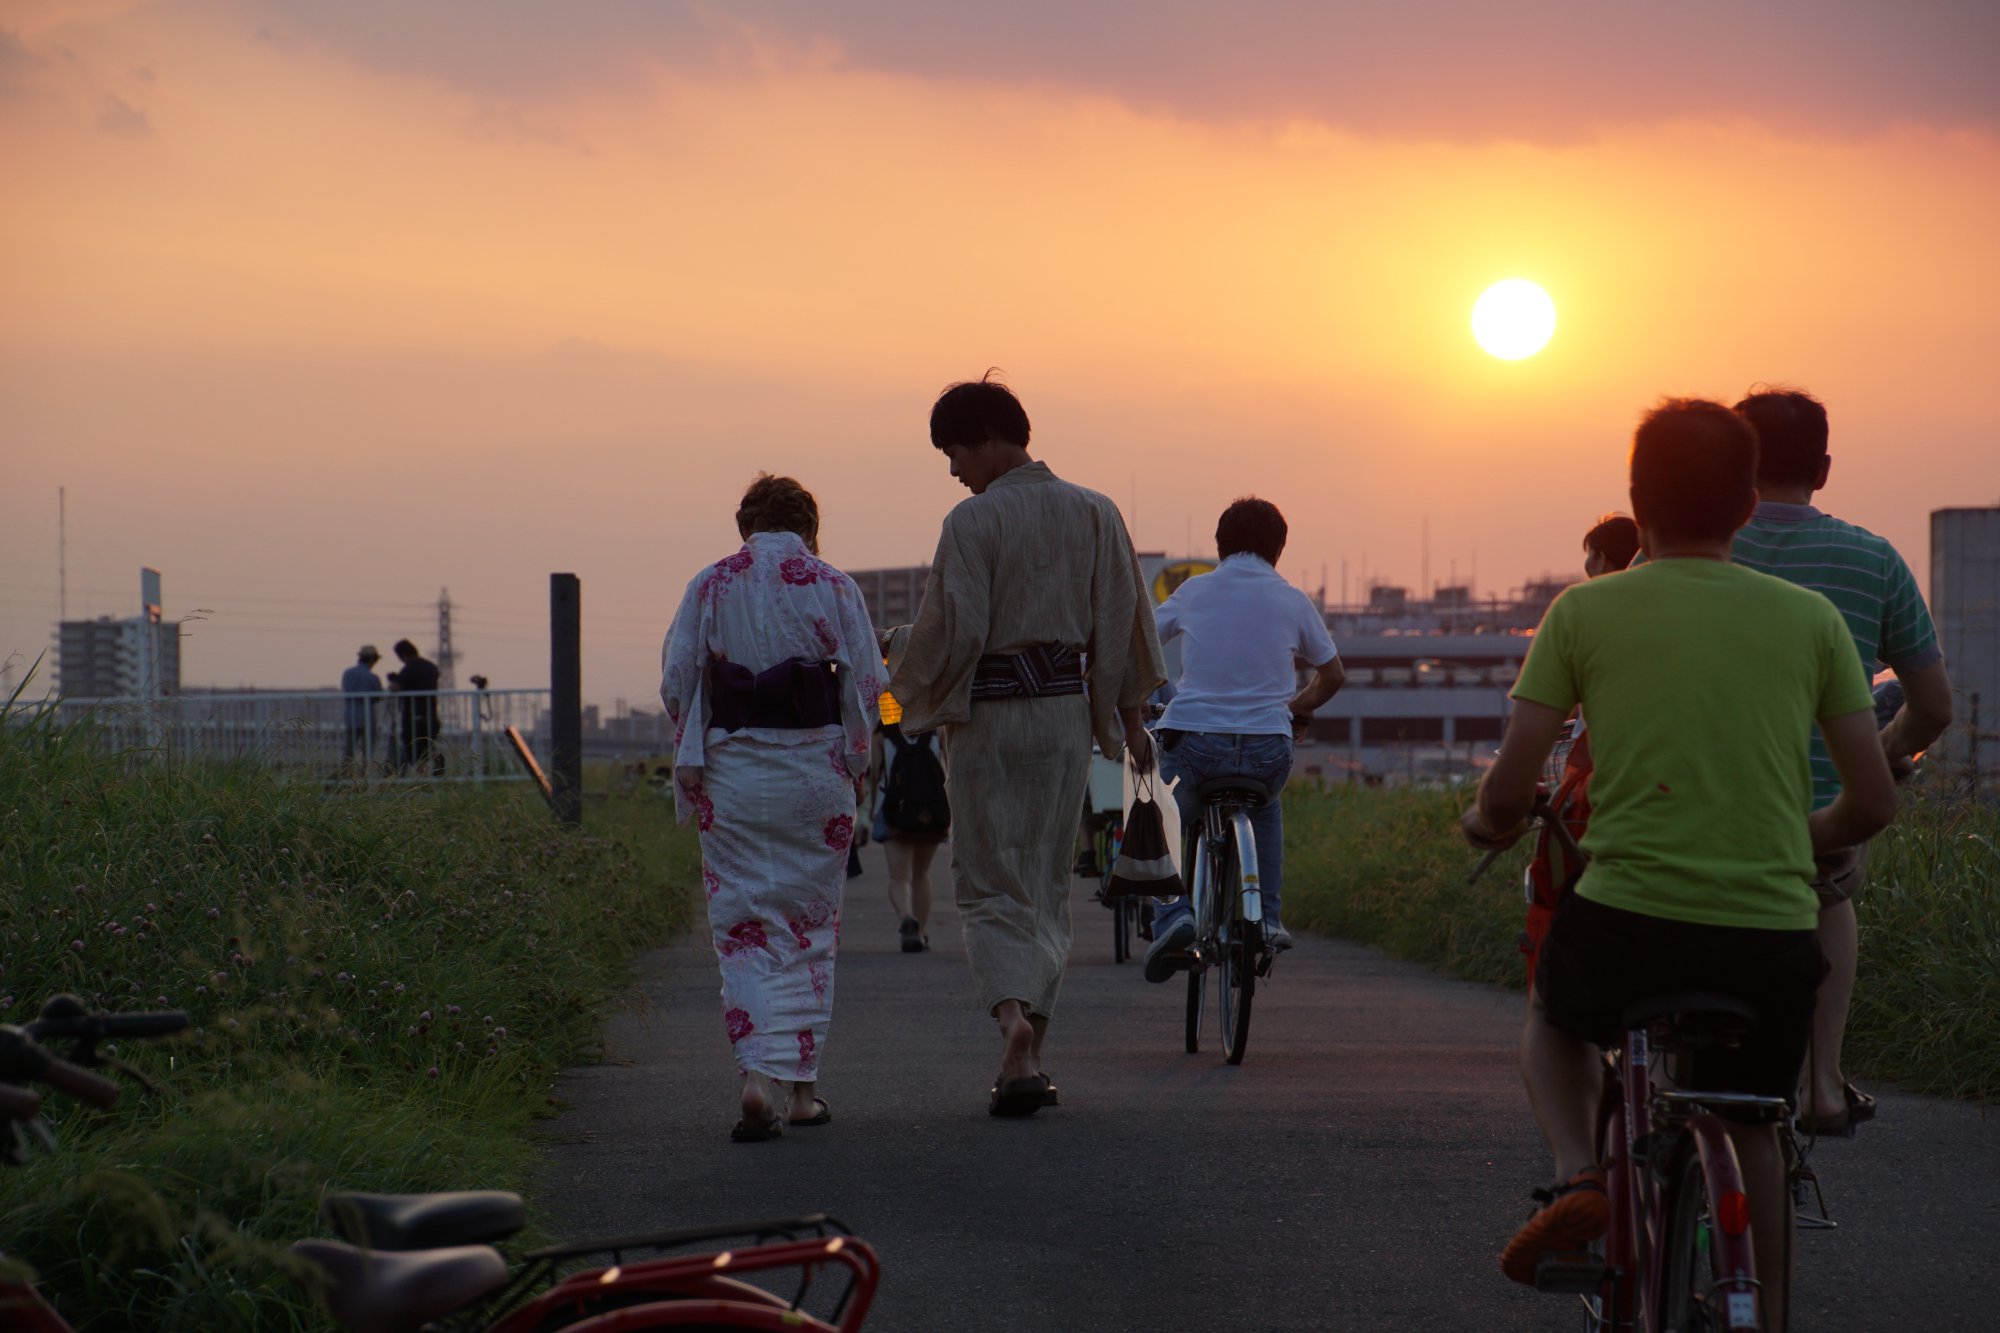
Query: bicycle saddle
{"x": 400, "y": 1293}
{"x": 1692, "y": 1018}
{"x": 1248, "y": 791}
{"x": 423, "y": 1221}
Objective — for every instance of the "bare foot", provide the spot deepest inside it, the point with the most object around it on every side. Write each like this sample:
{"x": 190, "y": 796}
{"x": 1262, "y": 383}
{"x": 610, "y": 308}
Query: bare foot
{"x": 1017, "y": 1038}
{"x": 758, "y": 1099}
{"x": 804, "y": 1101}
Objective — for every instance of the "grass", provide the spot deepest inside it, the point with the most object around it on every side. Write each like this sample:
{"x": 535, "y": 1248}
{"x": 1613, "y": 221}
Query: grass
{"x": 382, "y": 988}
{"x": 1386, "y": 868}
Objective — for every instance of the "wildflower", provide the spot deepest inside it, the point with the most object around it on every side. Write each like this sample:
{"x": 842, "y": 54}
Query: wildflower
{"x": 215, "y": 914}
{"x": 77, "y": 945}
{"x": 424, "y": 1017}
{"x": 433, "y": 1073}
{"x": 499, "y": 1032}
{"x": 340, "y": 976}
{"x": 488, "y": 1019}
{"x": 452, "y": 1010}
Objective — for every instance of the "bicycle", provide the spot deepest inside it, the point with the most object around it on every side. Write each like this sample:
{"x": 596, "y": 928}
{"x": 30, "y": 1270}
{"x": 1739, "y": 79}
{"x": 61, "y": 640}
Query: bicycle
{"x": 1677, "y": 1254}
{"x": 413, "y": 1261}
{"x": 1129, "y": 911}
{"x": 23, "y": 1060}
{"x": 1228, "y": 902}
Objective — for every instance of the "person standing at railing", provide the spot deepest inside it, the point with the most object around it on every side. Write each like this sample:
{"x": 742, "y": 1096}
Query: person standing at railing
{"x": 361, "y": 686}
{"x": 417, "y": 735}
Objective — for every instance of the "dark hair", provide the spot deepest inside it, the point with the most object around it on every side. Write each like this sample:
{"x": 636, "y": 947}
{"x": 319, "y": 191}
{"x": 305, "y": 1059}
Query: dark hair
{"x": 404, "y": 649}
{"x": 1694, "y": 470}
{"x": 1791, "y": 434}
{"x": 974, "y": 411}
{"x": 1251, "y": 525}
{"x": 1616, "y": 538}
{"x": 779, "y": 504}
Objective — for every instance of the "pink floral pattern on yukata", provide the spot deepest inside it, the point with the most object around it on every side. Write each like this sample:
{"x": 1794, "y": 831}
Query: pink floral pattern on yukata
{"x": 817, "y": 914}
{"x": 736, "y": 564}
{"x": 799, "y": 571}
{"x": 739, "y": 1024}
{"x": 829, "y": 642}
{"x": 808, "y": 1050}
{"x": 822, "y": 978}
{"x": 704, "y": 808}
{"x": 745, "y": 936}
{"x": 710, "y": 881}
{"x": 839, "y": 832}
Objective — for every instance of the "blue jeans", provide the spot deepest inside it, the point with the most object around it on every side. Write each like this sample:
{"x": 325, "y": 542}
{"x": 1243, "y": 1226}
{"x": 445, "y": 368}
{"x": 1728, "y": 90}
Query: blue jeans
{"x": 1200, "y": 755}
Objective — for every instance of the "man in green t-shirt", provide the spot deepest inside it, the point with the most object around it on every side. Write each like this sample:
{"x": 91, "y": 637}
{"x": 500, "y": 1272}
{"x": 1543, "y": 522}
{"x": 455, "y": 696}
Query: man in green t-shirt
{"x": 1702, "y": 680}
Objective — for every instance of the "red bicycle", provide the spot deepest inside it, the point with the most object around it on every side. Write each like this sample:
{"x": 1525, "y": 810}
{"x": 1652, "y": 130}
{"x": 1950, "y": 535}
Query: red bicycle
{"x": 1678, "y": 1256}
{"x": 415, "y": 1261}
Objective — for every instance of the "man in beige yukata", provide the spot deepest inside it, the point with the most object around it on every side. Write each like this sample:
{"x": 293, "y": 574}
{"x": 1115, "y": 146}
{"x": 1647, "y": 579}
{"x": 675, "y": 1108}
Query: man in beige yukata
{"x": 1035, "y": 635}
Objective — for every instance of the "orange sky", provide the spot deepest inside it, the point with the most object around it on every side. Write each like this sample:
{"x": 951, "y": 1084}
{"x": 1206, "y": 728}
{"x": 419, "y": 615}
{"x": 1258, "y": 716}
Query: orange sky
{"x": 321, "y": 314}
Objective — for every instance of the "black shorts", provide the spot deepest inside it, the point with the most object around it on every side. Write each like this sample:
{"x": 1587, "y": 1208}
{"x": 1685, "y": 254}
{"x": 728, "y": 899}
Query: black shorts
{"x": 1598, "y": 961}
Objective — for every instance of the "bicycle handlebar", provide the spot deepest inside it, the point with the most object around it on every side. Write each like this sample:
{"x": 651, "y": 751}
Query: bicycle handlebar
{"x": 105, "y": 1027}
{"x": 1546, "y": 813}
{"x": 19, "y": 1103}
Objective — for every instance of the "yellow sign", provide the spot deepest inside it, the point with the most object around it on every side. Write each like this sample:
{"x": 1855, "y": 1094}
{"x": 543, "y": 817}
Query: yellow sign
{"x": 1174, "y": 575}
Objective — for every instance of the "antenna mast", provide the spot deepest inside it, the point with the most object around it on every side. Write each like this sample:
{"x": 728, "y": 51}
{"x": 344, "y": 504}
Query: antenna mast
{"x": 62, "y": 554}
{"x": 446, "y": 677}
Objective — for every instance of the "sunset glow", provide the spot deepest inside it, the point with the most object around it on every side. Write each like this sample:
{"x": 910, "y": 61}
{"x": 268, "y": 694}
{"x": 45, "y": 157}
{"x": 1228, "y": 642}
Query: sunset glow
{"x": 1513, "y": 319}
{"x": 319, "y": 305}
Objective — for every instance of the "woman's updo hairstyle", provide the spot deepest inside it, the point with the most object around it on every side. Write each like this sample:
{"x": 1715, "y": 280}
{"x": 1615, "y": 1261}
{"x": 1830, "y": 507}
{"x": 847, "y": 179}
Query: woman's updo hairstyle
{"x": 779, "y": 504}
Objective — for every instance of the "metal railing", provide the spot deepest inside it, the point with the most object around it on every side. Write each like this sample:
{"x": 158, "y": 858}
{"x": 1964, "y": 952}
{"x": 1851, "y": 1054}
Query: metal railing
{"x": 325, "y": 735}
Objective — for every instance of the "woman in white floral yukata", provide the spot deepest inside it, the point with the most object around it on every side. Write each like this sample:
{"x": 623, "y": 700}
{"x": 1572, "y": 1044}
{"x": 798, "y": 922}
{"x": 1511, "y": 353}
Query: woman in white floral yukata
{"x": 770, "y": 674}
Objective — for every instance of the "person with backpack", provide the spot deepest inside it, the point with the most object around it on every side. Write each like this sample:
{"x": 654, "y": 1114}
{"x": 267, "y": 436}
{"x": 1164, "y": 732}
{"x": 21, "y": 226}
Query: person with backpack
{"x": 912, "y": 817}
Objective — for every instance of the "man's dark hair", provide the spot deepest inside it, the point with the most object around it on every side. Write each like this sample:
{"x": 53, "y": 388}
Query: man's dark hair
{"x": 1254, "y": 526}
{"x": 405, "y": 649}
{"x": 1791, "y": 434}
{"x": 1616, "y": 538}
{"x": 975, "y": 411}
{"x": 779, "y": 504}
{"x": 1694, "y": 470}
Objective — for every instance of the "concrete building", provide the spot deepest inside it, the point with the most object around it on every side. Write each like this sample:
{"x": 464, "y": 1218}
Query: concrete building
{"x": 893, "y": 595}
{"x": 1965, "y": 602}
{"x": 117, "y": 659}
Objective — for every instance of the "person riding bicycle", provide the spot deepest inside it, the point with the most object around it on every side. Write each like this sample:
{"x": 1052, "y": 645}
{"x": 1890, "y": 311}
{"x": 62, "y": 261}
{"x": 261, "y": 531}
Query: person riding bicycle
{"x": 1237, "y": 706}
{"x": 1702, "y": 680}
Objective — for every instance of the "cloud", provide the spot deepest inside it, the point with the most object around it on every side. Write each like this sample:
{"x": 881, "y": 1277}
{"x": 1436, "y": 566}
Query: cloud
{"x": 1462, "y": 70}
{"x": 20, "y": 68}
{"x": 118, "y": 117}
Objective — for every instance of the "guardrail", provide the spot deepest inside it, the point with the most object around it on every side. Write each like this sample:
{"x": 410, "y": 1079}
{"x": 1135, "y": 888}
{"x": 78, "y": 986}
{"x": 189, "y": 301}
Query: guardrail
{"x": 325, "y": 735}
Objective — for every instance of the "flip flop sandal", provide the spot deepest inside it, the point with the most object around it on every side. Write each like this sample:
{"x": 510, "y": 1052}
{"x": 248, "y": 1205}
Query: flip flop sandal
{"x": 1049, "y": 1097}
{"x": 1860, "y": 1106}
{"x": 745, "y": 1132}
{"x": 822, "y": 1115}
{"x": 1017, "y": 1097}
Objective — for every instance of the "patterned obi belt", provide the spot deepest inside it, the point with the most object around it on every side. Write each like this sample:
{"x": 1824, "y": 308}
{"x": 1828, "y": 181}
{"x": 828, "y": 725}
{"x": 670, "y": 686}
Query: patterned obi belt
{"x": 1046, "y": 668}
{"x": 795, "y": 695}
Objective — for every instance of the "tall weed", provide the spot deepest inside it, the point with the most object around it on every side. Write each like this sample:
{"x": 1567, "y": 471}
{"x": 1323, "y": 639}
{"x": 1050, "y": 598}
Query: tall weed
{"x": 1386, "y": 868}
{"x": 382, "y": 988}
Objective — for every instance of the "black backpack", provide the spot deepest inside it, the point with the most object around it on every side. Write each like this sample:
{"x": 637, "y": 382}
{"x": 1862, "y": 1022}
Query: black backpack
{"x": 913, "y": 800}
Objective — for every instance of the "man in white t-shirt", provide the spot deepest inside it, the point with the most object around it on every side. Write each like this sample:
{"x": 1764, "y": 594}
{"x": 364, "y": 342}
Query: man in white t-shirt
{"x": 1237, "y": 706}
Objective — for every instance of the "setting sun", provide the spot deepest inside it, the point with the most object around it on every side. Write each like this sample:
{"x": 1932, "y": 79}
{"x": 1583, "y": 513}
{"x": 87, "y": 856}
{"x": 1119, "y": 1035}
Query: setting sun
{"x": 1513, "y": 319}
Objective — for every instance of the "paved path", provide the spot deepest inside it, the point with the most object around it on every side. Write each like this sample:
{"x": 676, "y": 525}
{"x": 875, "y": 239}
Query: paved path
{"x": 1361, "y": 1169}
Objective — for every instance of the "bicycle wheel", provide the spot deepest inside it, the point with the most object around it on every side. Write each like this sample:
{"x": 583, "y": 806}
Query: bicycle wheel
{"x": 1121, "y": 929}
{"x": 1691, "y": 1300}
{"x": 1236, "y": 967}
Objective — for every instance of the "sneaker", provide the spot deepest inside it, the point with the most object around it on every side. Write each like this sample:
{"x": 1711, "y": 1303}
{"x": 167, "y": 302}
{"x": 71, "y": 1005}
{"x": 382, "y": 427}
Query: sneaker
{"x": 1160, "y": 958}
{"x": 913, "y": 935}
{"x": 1572, "y": 1215}
{"x": 1276, "y": 938}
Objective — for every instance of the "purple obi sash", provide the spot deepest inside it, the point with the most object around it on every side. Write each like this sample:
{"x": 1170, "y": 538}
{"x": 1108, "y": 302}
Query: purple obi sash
{"x": 1046, "y": 668}
{"x": 795, "y": 695}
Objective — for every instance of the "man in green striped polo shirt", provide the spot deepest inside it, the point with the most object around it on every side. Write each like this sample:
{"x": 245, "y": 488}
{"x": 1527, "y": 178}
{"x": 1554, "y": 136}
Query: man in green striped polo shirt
{"x": 1871, "y": 586}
